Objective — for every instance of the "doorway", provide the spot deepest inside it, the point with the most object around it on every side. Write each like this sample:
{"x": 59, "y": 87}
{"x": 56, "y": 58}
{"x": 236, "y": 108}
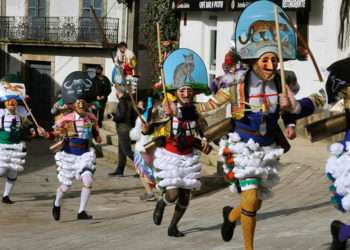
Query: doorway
{"x": 40, "y": 88}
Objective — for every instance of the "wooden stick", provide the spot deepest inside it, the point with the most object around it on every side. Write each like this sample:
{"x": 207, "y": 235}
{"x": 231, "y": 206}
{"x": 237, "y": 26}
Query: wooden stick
{"x": 30, "y": 113}
{"x": 280, "y": 55}
{"x": 134, "y": 105}
{"x": 162, "y": 76}
{"x": 304, "y": 43}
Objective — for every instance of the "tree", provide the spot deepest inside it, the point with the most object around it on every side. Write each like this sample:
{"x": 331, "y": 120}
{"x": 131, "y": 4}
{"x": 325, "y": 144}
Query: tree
{"x": 344, "y": 30}
{"x": 159, "y": 11}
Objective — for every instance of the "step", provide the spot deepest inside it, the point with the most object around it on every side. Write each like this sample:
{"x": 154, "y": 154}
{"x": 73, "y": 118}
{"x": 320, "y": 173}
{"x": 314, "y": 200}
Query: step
{"x": 110, "y": 153}
{"x": 209, "y": 163}
{"x": 110, "y": 126}
{"x": 108, "y": 137}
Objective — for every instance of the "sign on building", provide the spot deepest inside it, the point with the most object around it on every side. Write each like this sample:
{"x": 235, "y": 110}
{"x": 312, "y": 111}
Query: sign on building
{"x": 195, "y": 5}
{"x": 294, "y": 4}
{"x": 285, "y": 4}
{"x": 203, "y": 5}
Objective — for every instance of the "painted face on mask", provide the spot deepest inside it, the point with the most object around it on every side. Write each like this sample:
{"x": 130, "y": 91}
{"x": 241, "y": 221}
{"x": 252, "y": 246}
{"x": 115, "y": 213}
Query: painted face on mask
{"x": 11, "y": 105}
{"x": 185, "y": 95}
{"x": 266, "y": 66}
{"x": 80, "y": 106}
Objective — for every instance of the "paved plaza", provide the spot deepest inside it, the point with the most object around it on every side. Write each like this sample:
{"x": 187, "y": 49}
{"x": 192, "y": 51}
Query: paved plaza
{"x": 298, "y": 216}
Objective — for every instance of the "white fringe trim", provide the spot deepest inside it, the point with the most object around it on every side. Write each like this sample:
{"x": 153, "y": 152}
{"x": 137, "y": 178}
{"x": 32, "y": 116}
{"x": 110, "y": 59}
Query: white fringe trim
{"x": 253, "y": 161}
{"x": 69, "y": 166}
{"x": 338, "y": 166}
{"x": 12, "y": 156}
{"x": 181, "y": 171}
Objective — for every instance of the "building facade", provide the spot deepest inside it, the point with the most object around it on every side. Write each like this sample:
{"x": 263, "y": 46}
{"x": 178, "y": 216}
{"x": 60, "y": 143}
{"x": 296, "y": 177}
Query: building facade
{"x": 207, "y": 27}
{"x": 43, "y": 41}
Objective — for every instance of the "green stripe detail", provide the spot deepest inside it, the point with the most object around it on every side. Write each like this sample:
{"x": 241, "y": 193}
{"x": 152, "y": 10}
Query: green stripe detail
{"x": 6, "y": 138}
{"x": 248, "y": 182}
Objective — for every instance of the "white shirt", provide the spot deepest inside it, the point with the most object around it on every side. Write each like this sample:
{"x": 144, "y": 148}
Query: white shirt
{"x": 124, "y": 57}
{"x": 258, "y": 87}
{"x": 8, "y": 118}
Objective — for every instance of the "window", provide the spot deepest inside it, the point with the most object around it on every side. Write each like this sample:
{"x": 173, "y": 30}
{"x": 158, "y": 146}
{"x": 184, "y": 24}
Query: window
{"x": 96, "y": 4}
{"x": 37, "y": 8}
{"x": 212, "y": 53}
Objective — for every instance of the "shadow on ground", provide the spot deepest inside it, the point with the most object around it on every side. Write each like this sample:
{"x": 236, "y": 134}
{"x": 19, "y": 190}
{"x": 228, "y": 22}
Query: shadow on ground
{"x": 39, "y": 155}
{"x": 264, "y": 216}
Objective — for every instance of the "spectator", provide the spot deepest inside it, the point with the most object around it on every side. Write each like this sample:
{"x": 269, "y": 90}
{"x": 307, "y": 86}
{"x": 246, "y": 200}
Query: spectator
{"x": 125, "y": 118}
{"x": 103, "y": 89}
{"x": 126, "y": 58}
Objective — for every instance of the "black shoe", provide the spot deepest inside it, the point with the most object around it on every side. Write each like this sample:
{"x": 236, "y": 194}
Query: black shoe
{"x": 136, "y": 176}
{"x": 158, "y": 212}
{"x": 56, "y": 212}
{"x": 174, "y": 232}
{"x": 116, "y": 174}
{"x": 336, "y": 243}
{"x": 227, "y": 227}
{"x": 83, "y": 216}
{"x": 7, "y": 200}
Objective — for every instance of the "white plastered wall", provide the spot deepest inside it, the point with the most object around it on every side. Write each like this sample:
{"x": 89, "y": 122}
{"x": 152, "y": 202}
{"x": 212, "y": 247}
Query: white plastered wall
{"x": 63, "y": 66}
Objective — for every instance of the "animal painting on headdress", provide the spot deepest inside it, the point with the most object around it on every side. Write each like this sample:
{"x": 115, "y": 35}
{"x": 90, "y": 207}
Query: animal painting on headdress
{"x": 255, "y": 32}
{"x": 9, "y": 90}
{"x": 78, "y": 85}
{"x": 183, "y": 71}
{"x": 184, "y": 67}
{"x": 264, "y": 29}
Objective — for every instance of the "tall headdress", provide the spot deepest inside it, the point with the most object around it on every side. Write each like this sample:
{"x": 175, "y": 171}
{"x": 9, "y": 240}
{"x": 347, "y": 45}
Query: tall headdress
{"x": 78, "y": 85}
{"x": 255, "y": 32}
{"x": 338, "y": 79}
{"x": 184, "y": 67}
{"x": 11, "y": 88}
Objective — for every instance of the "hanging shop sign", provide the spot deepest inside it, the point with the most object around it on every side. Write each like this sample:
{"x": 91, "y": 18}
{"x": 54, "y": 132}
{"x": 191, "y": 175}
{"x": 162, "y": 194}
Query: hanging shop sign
{"x": 285, "y": 4}
{"x": 210, "y": 5}
{"x": 202, "y": 5}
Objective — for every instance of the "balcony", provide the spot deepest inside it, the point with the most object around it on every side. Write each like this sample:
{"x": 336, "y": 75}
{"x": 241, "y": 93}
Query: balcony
{"x": 57, "y": 31}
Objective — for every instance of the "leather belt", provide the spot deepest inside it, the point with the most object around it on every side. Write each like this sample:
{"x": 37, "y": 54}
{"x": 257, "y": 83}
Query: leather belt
{"x": 77, "y": 145}
{"x": 252, "y": 132}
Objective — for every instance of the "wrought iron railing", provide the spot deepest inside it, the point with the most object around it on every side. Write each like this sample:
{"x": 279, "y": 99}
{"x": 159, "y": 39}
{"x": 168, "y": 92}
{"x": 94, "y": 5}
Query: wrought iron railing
{"x": 57, "y": 29}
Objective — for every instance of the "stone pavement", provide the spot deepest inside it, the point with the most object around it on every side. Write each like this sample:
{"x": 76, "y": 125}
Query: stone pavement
{"x": 298, "y": 216}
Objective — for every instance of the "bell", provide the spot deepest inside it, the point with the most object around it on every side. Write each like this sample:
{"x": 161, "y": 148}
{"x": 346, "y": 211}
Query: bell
{"x": 218, "y": 130}
{"x": 327, "y": 127}
{"x": 70, "y": 129}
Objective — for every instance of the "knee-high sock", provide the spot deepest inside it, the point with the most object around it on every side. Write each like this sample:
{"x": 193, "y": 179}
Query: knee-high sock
{"x": 178, "y": 213}
{"x": 84, "y": 198}
{"x": 249, "y": 205}
{"x": 85, "y": 191}
{"x": 234, "y": 214}
{"x": 10, "y": 181}
{"x": 59, "y": 194}
{"x": 8, "y": 187}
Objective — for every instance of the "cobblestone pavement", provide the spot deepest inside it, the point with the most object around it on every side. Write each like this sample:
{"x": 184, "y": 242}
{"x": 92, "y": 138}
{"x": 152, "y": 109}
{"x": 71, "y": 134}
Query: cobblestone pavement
{"x": 298, "y": 216}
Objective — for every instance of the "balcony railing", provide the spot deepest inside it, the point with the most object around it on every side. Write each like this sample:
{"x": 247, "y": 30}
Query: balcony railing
{"x": 57, "y": 29}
